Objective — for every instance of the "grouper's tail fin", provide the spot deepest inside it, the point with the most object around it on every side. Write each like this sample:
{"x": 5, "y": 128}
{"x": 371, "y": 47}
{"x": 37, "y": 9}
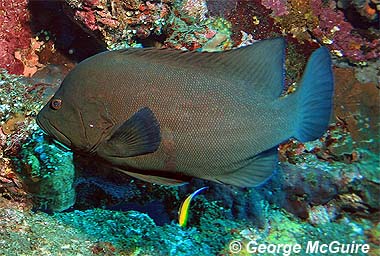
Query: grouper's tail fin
{"x": 314, "y": 97}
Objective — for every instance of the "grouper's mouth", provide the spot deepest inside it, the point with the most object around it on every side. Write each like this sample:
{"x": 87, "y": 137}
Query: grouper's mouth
{"x": 51, "y": 130}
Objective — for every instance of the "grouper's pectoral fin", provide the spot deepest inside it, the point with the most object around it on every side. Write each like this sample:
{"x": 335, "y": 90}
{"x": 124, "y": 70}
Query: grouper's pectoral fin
{"x": 259, "y": 170}
{"x": 139, "y": 135}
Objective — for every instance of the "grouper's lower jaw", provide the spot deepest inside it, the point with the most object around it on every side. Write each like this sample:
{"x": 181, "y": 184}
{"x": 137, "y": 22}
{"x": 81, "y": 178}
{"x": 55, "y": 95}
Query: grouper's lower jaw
{"x": 41, "y": 125}
{"x": 50, "y": 129}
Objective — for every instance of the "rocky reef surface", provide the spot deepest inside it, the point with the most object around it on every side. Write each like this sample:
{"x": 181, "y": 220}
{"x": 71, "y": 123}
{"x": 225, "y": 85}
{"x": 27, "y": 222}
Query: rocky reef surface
{"x": 55, "y": 203}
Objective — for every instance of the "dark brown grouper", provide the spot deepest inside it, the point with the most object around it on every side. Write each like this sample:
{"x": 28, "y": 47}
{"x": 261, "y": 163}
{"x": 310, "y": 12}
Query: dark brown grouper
{"x": 165, "y": 116}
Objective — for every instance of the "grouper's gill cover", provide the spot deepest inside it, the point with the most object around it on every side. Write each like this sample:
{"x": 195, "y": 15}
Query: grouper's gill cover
{"x": 166, "y": 116}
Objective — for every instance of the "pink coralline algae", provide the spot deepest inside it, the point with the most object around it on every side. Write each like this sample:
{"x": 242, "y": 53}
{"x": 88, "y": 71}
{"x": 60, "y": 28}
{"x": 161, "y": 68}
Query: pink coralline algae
{"x": 278, "y": 7}
{"x": 15, "y": 34}
{"x": 325, "y": 22}
{"x": 341, "y": 36}
{"x": 87, "y": 17}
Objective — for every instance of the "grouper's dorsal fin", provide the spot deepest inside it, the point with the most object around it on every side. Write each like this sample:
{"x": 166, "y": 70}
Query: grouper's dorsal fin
{"x": 260, "y": 65}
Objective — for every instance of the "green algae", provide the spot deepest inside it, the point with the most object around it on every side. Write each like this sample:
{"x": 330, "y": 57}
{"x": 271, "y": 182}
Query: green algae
{"x": 48, "y": 173}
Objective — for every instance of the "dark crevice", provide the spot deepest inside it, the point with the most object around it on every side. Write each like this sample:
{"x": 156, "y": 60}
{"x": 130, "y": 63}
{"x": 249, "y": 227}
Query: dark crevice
{"x": 69, "y": 38}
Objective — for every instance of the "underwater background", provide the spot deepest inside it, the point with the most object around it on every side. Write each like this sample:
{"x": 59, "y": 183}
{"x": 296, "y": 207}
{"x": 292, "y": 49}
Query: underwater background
{"x": 55, "y": 203}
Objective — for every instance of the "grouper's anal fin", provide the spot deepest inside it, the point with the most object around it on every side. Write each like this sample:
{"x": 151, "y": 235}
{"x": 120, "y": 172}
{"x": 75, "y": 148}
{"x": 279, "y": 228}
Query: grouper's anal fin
{"x": 256, "y": 172}
{"x": 260, "y": 65}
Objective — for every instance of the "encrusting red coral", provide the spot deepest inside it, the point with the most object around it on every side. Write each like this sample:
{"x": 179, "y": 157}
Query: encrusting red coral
{"x": 327, "y": 24}
{"x": 15, "y": 33}
{"x": 341, "y": 35}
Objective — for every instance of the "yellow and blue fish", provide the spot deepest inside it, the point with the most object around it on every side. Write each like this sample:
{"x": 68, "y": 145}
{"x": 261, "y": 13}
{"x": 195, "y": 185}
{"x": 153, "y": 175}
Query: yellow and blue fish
{"x": 183, "y": 213}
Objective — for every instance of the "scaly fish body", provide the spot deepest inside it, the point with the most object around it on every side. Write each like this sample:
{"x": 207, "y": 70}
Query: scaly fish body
{"x": 212, "y": 119}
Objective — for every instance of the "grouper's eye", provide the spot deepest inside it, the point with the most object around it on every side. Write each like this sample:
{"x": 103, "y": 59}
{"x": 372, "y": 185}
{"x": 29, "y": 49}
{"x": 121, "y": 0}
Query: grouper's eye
{"x": 56, "y": 104}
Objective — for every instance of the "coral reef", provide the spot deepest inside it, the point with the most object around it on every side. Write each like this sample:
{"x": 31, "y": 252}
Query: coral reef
{"x": 279, "y": 8}
{"x": 184, "y": 25}
{"x": 64, "y": 41}
{"x": 15, "y": 35}
{"x": 98, "y": 186}
{"x": 356, "y": 105}
{"x": 324, "y": 190}
{"x": 228, "y": 202}
{"x": 18, "y": 46}
{"x": 20, "y": 103}
{"x": 21, "y": 99}
{"x": 334, "y": 31}
{"x": 323, "y": 21}
{"x": 123, "y": 22}
{"x": 12, "y": 191}
{"x": 340, "y": 181}
{"x": 252, "y": 17}
{"x": 209, "y": 35}
{"x": 181, "y": 24}
{"x": 366, "y": 8}
{"x": 368, "y": 73}
{"x": 354, "y": 188}
{"x": 195, "y": 9}
{"x": 336, "y": 173}
{"x": 104, "y": 232}
{"x": 48, "y": 173}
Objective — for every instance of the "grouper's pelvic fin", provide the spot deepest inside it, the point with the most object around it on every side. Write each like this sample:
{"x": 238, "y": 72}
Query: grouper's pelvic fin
{"x": 154, "y": 179}
{"x": 314, "y": 97}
